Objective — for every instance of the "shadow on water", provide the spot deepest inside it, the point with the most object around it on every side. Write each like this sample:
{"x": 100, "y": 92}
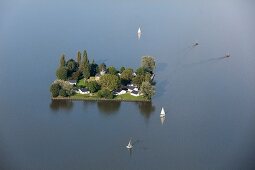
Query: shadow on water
{"x": 161, "y": 67}
{"x": 146, "y": 109}
{"x": 108, "y": 107}
{"x": 161, "y": 88}
{"x": 56, "y": 105}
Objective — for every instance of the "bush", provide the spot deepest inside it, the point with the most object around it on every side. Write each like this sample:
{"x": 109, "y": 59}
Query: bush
{"x": 104, "y": 93}
{"x": 92, "y": 86}
{"x": 62, "y": 93}
{"x": 54, "y": 89}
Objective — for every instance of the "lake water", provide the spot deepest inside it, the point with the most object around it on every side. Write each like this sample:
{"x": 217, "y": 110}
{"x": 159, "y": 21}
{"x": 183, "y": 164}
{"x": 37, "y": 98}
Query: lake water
{"x": 210, "y": 100}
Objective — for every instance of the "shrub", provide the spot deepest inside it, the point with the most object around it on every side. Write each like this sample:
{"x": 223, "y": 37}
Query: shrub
{"x": 104, "y": 93}
{"x": 62, "y": 93}
{"x": 54, "y": 89}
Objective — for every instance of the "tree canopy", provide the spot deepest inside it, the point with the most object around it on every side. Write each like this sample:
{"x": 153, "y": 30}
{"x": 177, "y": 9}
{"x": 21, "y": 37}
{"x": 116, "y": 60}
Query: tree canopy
{"x": 61, "y": 73}
{"x": 112, "y": 70}
{"x": 62, "y": 61}
{"x": 148, "y": 63}
{"x": 109, "y": 81}
{"x": 147, "y": 90}
{"x": 126, "y": 76}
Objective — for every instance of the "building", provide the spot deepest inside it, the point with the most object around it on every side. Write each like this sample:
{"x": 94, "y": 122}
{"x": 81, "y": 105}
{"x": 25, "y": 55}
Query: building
{"x": 83, "y": 91}
{"x": 72, "y": 82}
{"x": 135, "y": 93}
{"x": 119, "y": 92}
{"x": 132, "y": 88}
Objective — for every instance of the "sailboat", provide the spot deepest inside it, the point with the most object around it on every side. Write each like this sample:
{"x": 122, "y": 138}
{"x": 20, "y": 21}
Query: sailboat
{"x": 129, "y": 146}
{"x": 139, "y": 33}
{"x": 162, "y": 113}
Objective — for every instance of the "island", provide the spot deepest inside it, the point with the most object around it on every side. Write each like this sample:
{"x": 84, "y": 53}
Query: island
{"x": 81, "y": 79}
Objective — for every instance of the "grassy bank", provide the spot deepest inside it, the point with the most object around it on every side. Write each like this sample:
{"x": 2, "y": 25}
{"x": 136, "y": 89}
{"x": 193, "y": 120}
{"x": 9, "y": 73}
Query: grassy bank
{"x": 123, "y": 97}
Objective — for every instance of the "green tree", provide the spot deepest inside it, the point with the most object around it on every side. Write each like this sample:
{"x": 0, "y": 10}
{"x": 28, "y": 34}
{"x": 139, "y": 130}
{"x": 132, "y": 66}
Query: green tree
{"x": 93, "y": 68}
{"x": 126, "y": 76}
{"x": 85, "y": 66}
{"x": 148, "y": 63}
{"x": 85, "y": 55}
{"x": 147, "y": 77}
{"x": 102, "y": 67}
{"x": 141, "y": 71}
{"x": 69, "y": 89}
{"x": 62, "y": 93}
{"x": 92, "y": 86}
{"x": 109, "y": 81}
{"x": 122, "y": 69}
{"x": 112, "y": 70}
{"x": 62, "y": 61}
{"x": 138, "y": 80}
{"x": 105, "y": 93}
{"x": 72, "y": 66}
{"x": 147, "y": 90}
{"x": 76, "y": 75}
{"x": 54, "y": 89}
{"x": 79, "y": 58}
{"x": 61, "y": 73}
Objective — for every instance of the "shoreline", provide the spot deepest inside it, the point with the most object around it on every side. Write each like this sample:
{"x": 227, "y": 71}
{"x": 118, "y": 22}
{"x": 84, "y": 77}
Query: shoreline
{"x": 97, "y": 99}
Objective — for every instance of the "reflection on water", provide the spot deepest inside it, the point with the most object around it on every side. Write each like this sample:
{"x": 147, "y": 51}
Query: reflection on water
{"x": 162, "y": 119}
{"x": 56, "y": 105}
{"x": 146, "y": 109}
{"x": 108, "y": 107}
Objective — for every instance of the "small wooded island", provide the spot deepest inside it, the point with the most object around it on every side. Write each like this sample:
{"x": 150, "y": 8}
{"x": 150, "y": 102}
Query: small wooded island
{"x": 85, "y": 80}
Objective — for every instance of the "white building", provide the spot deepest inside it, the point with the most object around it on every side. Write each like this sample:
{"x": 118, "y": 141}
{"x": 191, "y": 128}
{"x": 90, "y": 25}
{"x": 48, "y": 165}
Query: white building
{"x": 72, "y": 82}
{"x": 82, "y": 91}
{"x": 119, "y": 92}
{"x": 134, "y": 93}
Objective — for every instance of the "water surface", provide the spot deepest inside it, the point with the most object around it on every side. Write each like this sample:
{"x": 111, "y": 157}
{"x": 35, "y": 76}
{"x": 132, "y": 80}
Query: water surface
{"x": 209, "y": 99}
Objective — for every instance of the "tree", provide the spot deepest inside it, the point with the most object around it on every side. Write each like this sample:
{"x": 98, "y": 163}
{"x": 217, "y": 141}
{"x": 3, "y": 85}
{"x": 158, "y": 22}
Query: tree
{"x": 72, "y": 66}
{"x": 148, "y": 63}
{"x": 85, "y": 66}
{"x": 62, "y": 93}
{"x": 105, "y": 93}
{"x": 76, "y": 75}
{"x": 147, "y": 77}
{"x": 62, "y": 61}
{"x": 122, "y": 69}
{"x": 147, "y": 90}
{"x": 93, "y": 86}
{"x": 54, "y": 89}
{"x": 141, "y": 71}
{"x": 138, "y": 80}
{"x": 109, "y": 81}
{"x": 61, "y": 73}
{"x": 102, "y": 67}
{"x": 112, "y": 70}
{"x": 85, "y": 55}
{"x": 79, "y": 58}
{"x": 69, "y": 89}
{"x": 93, "y": 68}
{"x": 126, "y": 76}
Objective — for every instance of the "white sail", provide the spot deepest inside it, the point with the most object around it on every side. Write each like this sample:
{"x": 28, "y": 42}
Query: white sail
{"x": 162, "y": 113}
{"x": 139, "y": 31}
{"x": 129, "y": 146}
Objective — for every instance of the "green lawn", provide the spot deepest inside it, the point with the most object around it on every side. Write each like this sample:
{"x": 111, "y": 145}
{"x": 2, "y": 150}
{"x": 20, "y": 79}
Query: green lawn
{"x": 81, "y": 83}
{"x": 129, "y": 97}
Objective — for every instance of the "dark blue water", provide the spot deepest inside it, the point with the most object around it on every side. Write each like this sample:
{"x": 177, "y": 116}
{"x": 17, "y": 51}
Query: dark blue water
{"x": 209, "y": 99}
